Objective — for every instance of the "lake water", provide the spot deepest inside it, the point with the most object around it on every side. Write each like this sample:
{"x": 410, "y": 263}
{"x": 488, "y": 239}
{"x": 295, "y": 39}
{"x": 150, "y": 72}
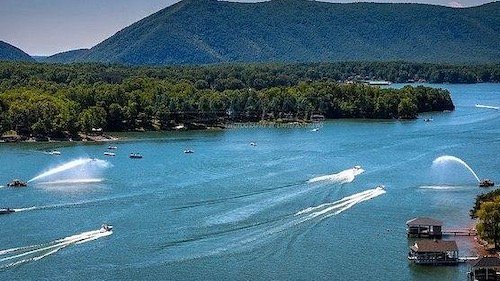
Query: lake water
{"x": 232, "y": 211}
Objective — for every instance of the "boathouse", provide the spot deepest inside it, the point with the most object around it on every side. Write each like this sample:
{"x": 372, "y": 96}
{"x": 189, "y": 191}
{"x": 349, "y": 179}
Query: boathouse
{"x": 434, "y": 252}
{"x": 485, "y": 269}
{"x": 422, "y": 227}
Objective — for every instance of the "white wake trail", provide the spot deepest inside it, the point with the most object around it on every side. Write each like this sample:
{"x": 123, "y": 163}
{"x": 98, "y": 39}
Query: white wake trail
{"x": 20, "y": 255}
{"x": 335, "y": 208}
{"x": 251, "y": 237}
{"x": 487, "y": 106}
{"x": 345, "y": 176}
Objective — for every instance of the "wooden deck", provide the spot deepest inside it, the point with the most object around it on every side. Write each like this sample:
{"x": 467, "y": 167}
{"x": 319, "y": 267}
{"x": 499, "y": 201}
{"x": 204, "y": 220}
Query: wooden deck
{"x": 459, "y": 232}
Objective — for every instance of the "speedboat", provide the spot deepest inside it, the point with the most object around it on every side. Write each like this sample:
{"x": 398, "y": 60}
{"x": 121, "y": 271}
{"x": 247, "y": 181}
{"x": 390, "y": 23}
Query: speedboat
{"x": 112, "y": 147}
{"x": 135, "y": 156}
{"x": 109, "y": 154}
{"x": 106, "y": 228}
{"x": 188, "y": 151}
{"x": 253, "y": 144}
{"x": 315, "y": 130}
{"x": 17, "y": 183}
{"x": 486, "y": 183}
{"x": 53, "y": 152}
{"x": 6, "y": 211}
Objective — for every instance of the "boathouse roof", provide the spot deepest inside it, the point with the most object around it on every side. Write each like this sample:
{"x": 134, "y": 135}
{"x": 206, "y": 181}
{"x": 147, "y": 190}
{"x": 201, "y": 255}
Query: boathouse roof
{"x": 433, "y": 246}
{"x": 487, "y": 262}
{"x": 423, "y": 221}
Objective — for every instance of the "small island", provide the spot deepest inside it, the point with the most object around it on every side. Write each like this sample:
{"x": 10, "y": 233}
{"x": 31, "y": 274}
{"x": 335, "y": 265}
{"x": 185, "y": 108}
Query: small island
{"x": 80, "y": 101}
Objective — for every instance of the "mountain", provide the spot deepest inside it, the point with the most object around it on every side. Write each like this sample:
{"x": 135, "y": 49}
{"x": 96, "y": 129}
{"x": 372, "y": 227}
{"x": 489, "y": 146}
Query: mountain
{"x": 64, "y": 57}
{"x": 210, "y": 31}
{"x": 11, "y": 53}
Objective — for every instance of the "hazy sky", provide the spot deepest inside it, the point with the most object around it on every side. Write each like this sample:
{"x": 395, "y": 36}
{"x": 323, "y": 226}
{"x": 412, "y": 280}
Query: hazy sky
{"x": 46, "y": 27}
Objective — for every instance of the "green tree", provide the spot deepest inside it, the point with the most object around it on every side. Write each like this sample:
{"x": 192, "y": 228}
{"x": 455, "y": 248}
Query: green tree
{"x": 407, "y": 109}
{"x": 488, "y": 226}
{"x": 92, "y": 118}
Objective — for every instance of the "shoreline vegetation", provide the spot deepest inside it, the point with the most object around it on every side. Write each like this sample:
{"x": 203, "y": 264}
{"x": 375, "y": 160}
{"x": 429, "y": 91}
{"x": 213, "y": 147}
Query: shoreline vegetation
{"x": 81, "y": 101}
{"x": 486, "y": 213}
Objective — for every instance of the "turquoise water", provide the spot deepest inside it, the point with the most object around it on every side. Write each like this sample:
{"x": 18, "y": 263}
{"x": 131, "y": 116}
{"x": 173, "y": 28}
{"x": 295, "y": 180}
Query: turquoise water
{"x": 231, "y": 211}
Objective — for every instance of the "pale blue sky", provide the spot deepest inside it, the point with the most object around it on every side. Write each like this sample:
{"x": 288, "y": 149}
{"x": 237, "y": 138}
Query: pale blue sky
{"x": 45, "y": 27}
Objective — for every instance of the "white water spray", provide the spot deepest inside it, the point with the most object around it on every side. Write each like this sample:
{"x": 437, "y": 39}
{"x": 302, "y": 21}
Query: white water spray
{"x": 72, "y": 181}
{"x": 81, "y": 163}
{"x": 16, "y": 256}
{"x": 447, "y": 159}
{"x": 345, "y": 176}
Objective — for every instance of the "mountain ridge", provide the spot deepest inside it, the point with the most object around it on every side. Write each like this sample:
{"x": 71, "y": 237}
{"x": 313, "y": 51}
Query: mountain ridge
{"x": 9, "y": 52}
{"x": 210, "y": 31}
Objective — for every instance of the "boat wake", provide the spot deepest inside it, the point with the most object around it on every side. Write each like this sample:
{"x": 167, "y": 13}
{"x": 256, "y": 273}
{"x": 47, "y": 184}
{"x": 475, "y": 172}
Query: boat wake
{"x": 242, "y": 238}
{"x": 66, "y": 205}
{"x": 343, "y": 177}
{"x": 329, "y": 209}
{"x": 17, "y": 256}
{"x": 442, "y": 187}
{"x": 245, "y": 212}
{"x": 487, "y": 106}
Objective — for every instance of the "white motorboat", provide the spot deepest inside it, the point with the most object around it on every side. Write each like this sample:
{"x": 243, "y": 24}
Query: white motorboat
{"x": 106, "y": 228}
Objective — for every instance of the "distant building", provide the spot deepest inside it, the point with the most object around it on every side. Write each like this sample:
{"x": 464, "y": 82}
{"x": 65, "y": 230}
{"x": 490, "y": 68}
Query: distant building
{"x": 434, "y": 252}
{"x": 422, "y": 227}
{"x": 485, "y": 269}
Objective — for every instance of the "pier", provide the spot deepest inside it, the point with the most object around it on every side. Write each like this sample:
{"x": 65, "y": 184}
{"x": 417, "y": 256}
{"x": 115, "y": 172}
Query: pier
{"x": 459, "y": 232}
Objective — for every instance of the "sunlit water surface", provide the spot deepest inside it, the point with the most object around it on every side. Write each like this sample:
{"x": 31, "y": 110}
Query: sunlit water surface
{"x": 232, "y": 211}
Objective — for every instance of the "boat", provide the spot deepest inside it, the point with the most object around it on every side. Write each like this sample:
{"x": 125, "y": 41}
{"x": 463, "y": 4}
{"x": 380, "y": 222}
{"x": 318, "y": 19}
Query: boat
{"x": 428, "y": 120}
{"x": 106, "y": 228}
{"x": 188, "y": 151}
{"x": 17, "y": 183}
{"x": 379, "y": 83}
{"x": 253, "y": 144}
{"x": 6, "y": 211}
{"x": 357, "y": 167}
{"x": 53, "y": 152}
{"x": 112, "y": 147}
{"x": 135, "y": 156}
{"x": 486, "y": 183}
{"x": 109, "y": 154}
{"x": 315, "y": 130}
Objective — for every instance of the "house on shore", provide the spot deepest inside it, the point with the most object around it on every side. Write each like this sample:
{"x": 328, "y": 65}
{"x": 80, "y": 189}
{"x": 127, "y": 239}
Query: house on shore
{"x": 485, "y": 269}
{"x": 434, "y": 252}
{"x": 422, "y": 227}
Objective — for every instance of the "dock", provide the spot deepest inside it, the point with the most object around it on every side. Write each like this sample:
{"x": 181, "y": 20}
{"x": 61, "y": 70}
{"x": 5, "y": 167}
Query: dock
{"x": 459, "y": 232}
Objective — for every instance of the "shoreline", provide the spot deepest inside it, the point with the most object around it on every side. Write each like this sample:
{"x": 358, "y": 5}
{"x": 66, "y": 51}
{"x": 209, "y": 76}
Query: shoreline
{"x": 110, "y": 136}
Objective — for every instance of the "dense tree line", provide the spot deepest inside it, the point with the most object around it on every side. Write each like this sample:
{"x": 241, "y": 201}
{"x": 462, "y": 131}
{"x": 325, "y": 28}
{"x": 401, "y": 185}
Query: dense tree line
{"x": 58, "y": 100}
{"x": 239, "y": 76}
